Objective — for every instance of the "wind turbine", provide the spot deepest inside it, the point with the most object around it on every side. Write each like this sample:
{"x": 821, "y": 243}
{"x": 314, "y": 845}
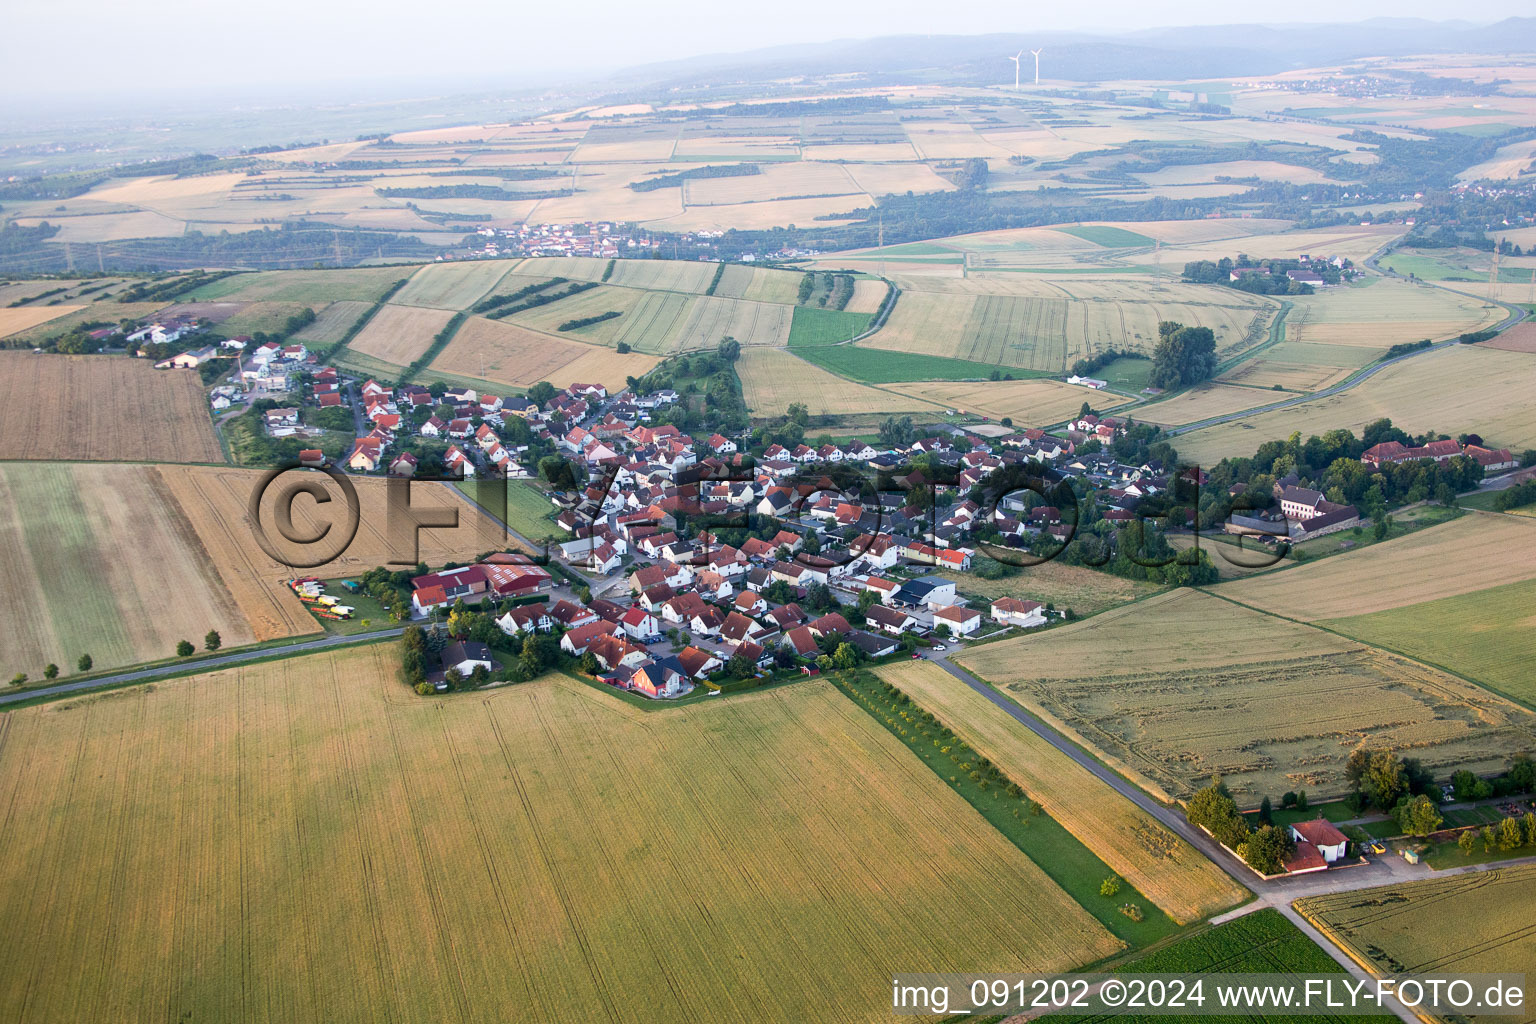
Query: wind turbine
{"x": 1037, "y": 62}
{"x": 1015, "y": 59}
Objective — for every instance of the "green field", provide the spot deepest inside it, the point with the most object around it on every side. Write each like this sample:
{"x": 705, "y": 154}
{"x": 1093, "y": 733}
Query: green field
{"x": 1108, "y": 237}
{"x": 1489, "y": 636}
{"x": 1263, "y": 942}
{"x": 1126, "y": 374}
{"x": 315, "y": 287}
{"x": 529, "y": 512}
{"x": 877, "y": 366}
{"x": 812, "y": 326}
{"x": 1059, "y": 853}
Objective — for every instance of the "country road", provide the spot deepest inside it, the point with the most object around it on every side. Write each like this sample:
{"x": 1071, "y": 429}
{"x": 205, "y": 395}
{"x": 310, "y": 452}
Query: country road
{"x": 146, "y": 675}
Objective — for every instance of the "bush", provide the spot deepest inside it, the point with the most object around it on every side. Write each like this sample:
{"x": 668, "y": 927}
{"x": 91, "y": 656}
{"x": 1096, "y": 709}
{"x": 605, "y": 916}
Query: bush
{"x": 184, "y": 648}
{"x": 1110, "y": 886}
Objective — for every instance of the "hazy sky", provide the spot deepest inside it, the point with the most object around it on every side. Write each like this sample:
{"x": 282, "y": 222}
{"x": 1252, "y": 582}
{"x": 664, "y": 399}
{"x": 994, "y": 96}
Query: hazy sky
{"x": 56, "y": 47}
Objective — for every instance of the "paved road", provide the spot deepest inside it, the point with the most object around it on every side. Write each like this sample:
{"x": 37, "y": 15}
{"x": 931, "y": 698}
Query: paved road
{"x": 145, "y": 675}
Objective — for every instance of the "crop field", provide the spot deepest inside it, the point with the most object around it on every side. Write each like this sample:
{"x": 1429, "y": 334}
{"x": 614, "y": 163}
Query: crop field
{"x": 102, "y": 409}
{"x": 1519, "y": 338}
{"x": 1263, "y": 942}
{"x": 761, "y": 284}
{"x": 311, "y": 866}
{"x": 1489, "y": 636}
{"x": 868, "y": 294}
{"x": 1202, "y": 402}
{"x": 1468, "y": 554}
{"x": 1166, "y": 869}
{"x": 400, "y": 334}
{"x": 1108, "y": 237}
{"x": 1464, "y": 924}
{"x": 1385, "y": 312}
{"x": 1042, "y": 324}
{"x": 664, "y": 275}
{"x": 1272, "y": 373}
{"x": 101, "y": 560}
{"x": 216, "y": 502}
{"x": 452, "y": 285}
{"x": 1029, "y": 403}
{"x": 317, "y": 287}
{"x": 751, "y": 323}
{"x": 333, "y": 323}
{"x": 504, "y": 353}
{"x": 773, "y": 379}
{"x": 14, "y": 321}
{"x": 1139, "y": 684}
{"x": 1477, "y": 390}
{"x": 261, "y": 317}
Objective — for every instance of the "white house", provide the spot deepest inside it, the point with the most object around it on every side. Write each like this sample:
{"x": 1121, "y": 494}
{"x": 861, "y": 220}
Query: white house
{"x": 1012, "y": 611}
{"x": 961, "y": 621}
{"x": 1320, "y": 833}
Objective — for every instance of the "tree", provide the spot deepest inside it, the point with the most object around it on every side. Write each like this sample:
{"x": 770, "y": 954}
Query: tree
{"x": 846, "y": 656}
{"x": 1182, "y": 355}
{"x": 1381, "y": 527}
{"x": 1510, "y": 834}
{"x": 212, "y": 641}
{"x": 1301, "y": 799}
{"x": 541, "y": 392}
{"x": 1110, "y": 886}
{"x": 1384, "y": 779}
{"x": 1522, "y": 773}
{"x": 1267, "y": 849}
{"x": 740, "y": 666}
{"x": 728, "y": 350}
{"x": 1466, "y": 842}
{"x": 1529, "y": 824}
{"x": 589, "y": 663}
{"x": 1214, "y": 809}
{"x": 1419, "y": 816}
{"x": 1489, "y": 837}
{"x": 50, "y": 671}
{"x": 18, "y": 679}
{"x": 184, "y": 648}
{"x": 85, "y": 663}
{"x": 1266, "y": 811}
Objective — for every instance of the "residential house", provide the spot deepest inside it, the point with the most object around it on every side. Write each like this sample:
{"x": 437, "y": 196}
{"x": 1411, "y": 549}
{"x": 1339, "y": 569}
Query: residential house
{"x": 961, "y": 621}
{"x": 1013, "y": 611}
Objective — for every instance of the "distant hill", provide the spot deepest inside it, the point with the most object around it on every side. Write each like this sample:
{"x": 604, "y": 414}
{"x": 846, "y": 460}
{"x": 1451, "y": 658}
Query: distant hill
{"x": 1165, "y": 54}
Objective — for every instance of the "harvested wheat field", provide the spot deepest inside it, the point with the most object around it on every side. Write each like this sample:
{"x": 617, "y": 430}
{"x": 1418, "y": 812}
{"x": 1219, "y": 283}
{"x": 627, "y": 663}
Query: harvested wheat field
{"x": 1029, "y": 403}
{"x": 102, "y": 560}
{"x": 217, "y": 501}
{"x": 1519, "y": 338}
{"x": 772, "y": 379}
{"x": 1203, "y": 402}
{"x": 1185, "y": 686}
{"x": 14, "y": 321}
{"x": 331, "y": 847}
{"x": 1272, "y": 373}
{"x": 1166, "y": 869}
{"x": 1477, "y": 923}
{"x": 400, "y": 334}
{"x": 1474, "y": 552}
{"x": 1465, "y": 388}
{"x": 102, "y": 409}
{"x": 504, "y": 353}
